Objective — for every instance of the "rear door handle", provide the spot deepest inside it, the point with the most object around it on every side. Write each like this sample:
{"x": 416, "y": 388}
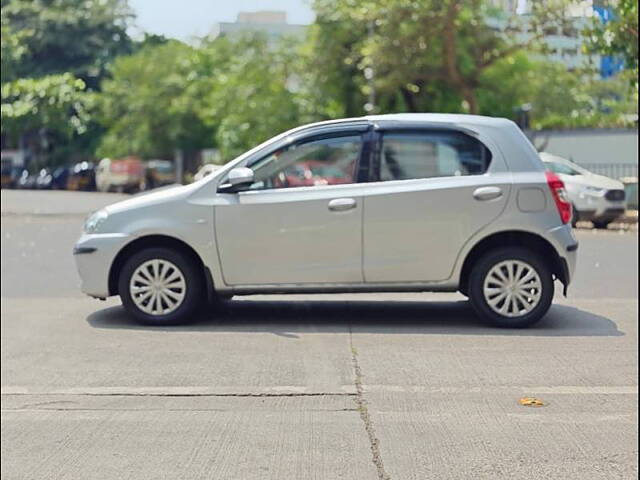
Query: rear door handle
{"x": 487, "y": 193}
{"x": 342, "y": 204}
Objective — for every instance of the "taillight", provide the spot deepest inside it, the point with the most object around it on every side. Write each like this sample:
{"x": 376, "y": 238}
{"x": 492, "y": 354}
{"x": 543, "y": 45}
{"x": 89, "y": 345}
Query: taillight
{"x": 560, "y": 196}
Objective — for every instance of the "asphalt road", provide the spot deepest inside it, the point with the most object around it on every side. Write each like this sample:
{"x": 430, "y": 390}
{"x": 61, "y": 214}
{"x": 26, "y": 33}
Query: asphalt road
{"x": 404, "y": 386}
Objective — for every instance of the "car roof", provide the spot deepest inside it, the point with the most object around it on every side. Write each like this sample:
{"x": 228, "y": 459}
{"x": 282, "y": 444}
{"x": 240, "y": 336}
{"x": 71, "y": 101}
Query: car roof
{"x": 445, "y": 118}
{"x": 433, "y": 118}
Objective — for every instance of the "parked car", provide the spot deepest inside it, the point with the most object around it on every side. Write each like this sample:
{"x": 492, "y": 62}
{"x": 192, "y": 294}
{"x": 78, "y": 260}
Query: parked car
{"x": 26, "y": 181}
{"x": 442, "y": 203}
{"x": 158, "y": 173}
{"x": 11, "y": 162}
{"x": 120, "y": 175}
{"x": 7, "y": 179}
{"x": 206, "y": 170}
{"x": 44, "y": 179}
{"x": 11, "y": 176}
{"x": 82, "y": 177}
{"x": 60, "y": 177}
{"x": 593, "y": 197}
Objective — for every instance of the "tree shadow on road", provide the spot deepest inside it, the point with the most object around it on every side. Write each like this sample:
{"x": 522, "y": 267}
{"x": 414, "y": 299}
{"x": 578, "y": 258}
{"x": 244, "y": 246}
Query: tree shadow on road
{"x": 289, "y": 318}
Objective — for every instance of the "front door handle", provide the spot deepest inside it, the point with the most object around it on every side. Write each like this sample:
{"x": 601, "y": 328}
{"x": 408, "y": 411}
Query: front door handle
{"x": 342, "y": 204}
{"x": 487, "y": 193}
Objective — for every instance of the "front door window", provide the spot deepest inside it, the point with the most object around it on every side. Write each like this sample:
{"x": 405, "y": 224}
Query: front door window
{"x": 327, "y": 161}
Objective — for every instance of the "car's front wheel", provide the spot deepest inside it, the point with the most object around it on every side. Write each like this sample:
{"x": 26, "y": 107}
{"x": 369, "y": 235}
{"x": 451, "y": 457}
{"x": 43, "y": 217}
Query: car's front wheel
{"x": 160, "y": 286}
{"x": 511, "y": 287}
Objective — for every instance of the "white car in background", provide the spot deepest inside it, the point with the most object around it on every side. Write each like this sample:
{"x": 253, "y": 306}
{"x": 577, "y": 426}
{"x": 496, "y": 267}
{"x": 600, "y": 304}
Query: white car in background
{"x": 594, "y": 197}
{"x": 120, "y": 175}
{"x": 205, "y": 170}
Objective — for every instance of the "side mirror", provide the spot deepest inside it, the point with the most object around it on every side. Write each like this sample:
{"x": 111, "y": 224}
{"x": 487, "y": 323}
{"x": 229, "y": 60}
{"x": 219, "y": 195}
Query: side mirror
{"x": 237, "y": 178}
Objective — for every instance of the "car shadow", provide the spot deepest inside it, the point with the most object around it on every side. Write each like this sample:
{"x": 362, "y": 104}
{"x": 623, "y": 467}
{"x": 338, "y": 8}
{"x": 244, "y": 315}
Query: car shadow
{"x": 290, "y": 318}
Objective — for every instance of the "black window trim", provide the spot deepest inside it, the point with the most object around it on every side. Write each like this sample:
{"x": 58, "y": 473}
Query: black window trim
{"x": 377, "y": 138}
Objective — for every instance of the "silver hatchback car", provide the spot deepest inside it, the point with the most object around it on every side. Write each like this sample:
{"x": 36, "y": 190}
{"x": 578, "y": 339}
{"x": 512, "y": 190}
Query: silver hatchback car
{"x": 388, "y": 203}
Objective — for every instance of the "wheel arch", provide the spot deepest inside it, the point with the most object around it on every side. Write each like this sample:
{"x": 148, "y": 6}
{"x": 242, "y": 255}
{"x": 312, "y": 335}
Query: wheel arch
{"x": 517, "y": 238}
{"x": 154, "y": 241}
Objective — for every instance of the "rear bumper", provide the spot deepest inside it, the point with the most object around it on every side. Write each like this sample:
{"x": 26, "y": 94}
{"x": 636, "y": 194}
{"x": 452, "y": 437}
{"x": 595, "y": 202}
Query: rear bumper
{"x": 94, "y": 255}
{"x": 566, "y": 246}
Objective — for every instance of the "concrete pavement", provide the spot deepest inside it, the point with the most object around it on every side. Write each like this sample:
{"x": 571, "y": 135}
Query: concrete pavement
{"x": 327, "y": 386}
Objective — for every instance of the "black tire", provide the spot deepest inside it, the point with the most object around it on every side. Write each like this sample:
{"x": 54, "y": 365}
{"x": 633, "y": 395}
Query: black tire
{"x": 194, "y": 292}
{"x": 601, "y": 224}
{"x": 482, "y": 268}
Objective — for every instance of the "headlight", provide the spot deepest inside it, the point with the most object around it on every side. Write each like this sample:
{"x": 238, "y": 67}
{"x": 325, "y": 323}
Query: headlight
{"x": 92, "y": 225}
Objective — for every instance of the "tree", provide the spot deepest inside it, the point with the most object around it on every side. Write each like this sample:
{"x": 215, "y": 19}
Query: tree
{"x": 56, "y": 36}
{"x": 618, "y": 35}
{"x": 433, "y": 54}
{"x": 144, "y": 107}
{"x": 563, "y": 99}
{"x": 229, "y": 94}
{"x": 332, "y": 84}
{"x": 45, "y": 112}
{"x": 251, "y": 91}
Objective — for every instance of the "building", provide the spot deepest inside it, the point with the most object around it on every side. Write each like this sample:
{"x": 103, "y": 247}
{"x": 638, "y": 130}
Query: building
{"x": 273, "y": 23}
{"x": 564, "y": 44}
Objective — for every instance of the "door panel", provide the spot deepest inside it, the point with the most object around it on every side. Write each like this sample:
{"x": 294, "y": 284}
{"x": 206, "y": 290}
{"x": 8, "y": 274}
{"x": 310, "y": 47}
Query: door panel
{"x": 300, "y": 221}
{"x": 433, "y": 195}
{"x": 284, "y": 236}
{"x": 414, "y": 229}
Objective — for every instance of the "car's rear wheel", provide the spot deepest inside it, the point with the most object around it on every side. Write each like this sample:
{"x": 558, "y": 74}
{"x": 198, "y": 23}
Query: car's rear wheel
{"x": 511, "y": 287}
{"x": 160, "y": 286}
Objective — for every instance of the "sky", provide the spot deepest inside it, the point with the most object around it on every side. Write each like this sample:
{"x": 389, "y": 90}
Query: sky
{"x": 184, "y": 19}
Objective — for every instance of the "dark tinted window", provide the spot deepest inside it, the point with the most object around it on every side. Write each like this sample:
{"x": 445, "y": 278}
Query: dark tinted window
{"x": 406, "y": 156}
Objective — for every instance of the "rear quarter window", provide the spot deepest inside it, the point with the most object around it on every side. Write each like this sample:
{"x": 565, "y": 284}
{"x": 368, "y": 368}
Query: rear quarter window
{"x": 430, "y": 154}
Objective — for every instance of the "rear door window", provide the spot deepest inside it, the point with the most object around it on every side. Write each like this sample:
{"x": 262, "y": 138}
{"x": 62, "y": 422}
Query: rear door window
{"x": 431, "y": 154}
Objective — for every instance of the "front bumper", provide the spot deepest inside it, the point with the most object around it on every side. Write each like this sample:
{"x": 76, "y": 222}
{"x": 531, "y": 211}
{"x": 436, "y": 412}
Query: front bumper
{"x": 597, "y": 207}
{"x": 607, "y": 214}
{"x": 94, "y": 255}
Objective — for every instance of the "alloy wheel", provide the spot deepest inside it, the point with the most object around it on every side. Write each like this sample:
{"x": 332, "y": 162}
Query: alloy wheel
{"x": 157, "y": 287}
{"x": 512, "y": 288}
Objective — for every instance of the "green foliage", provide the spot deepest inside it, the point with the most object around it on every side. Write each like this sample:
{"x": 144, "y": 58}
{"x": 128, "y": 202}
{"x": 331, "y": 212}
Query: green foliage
{"x": 56, "y": 102}
{"x": 46, "y": 37}
{"x": 231, "y": 94}
{"x": 13, "y": 49}
{"x": 560, "y": 98}
{"x": 332, "y": 84}
{"x": 108, "y": 96}
{"x": 143, "y": 106}
{"x": 250, "y": 92}
{"x": 563, "y": 99}
{"x": 507, "y": 84}
{"x": 429, "y": 55}
{"x": 619, "y": 36}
